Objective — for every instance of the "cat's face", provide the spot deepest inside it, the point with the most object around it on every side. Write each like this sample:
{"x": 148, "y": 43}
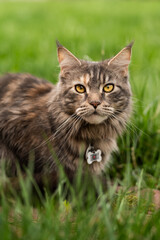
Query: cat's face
{"x": 94, "y": 91}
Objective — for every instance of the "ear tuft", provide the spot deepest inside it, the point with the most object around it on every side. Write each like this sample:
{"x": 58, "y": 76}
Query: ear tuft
{"x": 130, "y": 45}
{"x": 58, "y": 44}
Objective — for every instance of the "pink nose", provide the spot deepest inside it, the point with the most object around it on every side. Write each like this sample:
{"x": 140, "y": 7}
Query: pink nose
{"x": 95, "y": 103}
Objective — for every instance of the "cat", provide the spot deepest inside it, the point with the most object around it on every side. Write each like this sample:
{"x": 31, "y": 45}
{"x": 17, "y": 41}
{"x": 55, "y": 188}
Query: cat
{"x": 78, "y": 118}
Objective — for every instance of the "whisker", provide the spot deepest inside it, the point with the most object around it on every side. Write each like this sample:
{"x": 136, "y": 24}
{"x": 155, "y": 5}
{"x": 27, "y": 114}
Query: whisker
{"x": 58, "y": 132}
{"x": 139, "y": 129}
{"x": 124, "y": 122}
{"x": 65, "y": 122}
{"x": 58, "y": 129}
{"x": 82, "y": 112}
{"x": 68, "y": 135}
{"x": 132, "y": 126}
{"x": 65, "y": 138}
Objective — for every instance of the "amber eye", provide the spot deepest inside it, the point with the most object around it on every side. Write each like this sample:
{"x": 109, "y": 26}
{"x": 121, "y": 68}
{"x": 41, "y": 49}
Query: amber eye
{"x": 108, "y": 88}
{"x": 80, "y": 88}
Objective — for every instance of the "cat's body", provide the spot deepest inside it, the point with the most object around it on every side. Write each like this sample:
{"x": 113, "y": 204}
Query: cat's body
{"x": 39, "y": 120}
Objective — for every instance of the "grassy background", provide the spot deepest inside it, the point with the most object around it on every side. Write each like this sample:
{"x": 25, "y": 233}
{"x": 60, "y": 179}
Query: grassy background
{"x": 98, "y": 30}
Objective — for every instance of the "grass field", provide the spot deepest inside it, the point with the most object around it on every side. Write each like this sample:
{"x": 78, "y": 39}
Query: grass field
{"x": 98, "y": 30}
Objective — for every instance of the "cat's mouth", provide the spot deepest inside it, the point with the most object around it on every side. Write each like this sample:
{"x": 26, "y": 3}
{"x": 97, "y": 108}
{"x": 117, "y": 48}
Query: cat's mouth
{"x": 92, "y": 116}
{"x": 95, "y": 118}
{"x": 95, "y": 113}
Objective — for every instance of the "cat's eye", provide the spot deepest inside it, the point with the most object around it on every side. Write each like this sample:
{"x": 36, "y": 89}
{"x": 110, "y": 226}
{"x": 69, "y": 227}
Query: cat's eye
{"x": 80, "y": 88}
{"x": 108, "y": 88}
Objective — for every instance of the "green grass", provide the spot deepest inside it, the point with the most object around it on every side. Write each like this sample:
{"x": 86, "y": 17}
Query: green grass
{"x": 95, "y": 29}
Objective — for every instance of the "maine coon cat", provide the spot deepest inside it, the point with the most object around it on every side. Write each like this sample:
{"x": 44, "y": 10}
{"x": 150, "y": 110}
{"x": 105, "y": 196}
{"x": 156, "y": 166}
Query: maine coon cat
{"x": 78, "y": 118}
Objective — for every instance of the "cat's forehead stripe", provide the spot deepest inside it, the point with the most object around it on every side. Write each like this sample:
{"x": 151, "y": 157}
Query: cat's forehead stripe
{"x": 98, "y": 73}
{"x": 95, "y": 75}
{"x": 85, "y": 79}
{"x": 106, "y": 78}
{"x": 101, "y": 77}
{"x": 82, "y": 79}
{"x": 91, "y": 73}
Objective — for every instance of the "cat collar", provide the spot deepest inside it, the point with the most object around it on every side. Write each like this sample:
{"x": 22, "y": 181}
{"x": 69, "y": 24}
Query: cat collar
{"x": 93, "y": 155}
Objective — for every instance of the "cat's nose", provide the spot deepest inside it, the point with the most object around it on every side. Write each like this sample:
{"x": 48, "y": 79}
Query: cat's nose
{"x": 95, "y": 103}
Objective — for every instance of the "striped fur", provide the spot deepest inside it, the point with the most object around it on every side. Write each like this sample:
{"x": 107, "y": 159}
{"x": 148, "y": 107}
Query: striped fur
{"x": 46, "y": 120}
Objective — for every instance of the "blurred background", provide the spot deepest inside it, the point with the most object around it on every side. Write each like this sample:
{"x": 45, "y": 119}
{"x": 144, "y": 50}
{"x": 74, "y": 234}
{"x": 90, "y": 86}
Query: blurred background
{"x": 94, "y": 30}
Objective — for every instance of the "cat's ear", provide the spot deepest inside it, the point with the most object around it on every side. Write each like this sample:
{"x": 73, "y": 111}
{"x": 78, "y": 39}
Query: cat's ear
{"x": 122, "y": 59}
{"x": 66, "y": 59}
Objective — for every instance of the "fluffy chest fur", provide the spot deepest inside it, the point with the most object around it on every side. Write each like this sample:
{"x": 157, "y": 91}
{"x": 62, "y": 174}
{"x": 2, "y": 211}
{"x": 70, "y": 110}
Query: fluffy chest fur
{"x": 90, "y": 104}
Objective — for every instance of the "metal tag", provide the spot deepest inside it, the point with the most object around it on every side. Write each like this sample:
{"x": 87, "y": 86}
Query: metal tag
{"x": 93, "y": 155}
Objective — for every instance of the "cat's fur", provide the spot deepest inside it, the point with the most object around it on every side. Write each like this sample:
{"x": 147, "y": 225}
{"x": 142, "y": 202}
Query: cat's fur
{"x": 47, "y": 120}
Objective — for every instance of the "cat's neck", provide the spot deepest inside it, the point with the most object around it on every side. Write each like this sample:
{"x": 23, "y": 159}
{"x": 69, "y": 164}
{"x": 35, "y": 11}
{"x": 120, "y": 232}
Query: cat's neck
{"x": 96, "y": 132}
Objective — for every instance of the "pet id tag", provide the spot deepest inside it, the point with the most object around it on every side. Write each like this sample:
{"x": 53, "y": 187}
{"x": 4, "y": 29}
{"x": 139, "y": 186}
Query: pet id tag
{"x": 93, "y": 155}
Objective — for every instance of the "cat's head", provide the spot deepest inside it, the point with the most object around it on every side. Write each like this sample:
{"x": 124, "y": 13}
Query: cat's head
{"x": 95, "y": 91}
